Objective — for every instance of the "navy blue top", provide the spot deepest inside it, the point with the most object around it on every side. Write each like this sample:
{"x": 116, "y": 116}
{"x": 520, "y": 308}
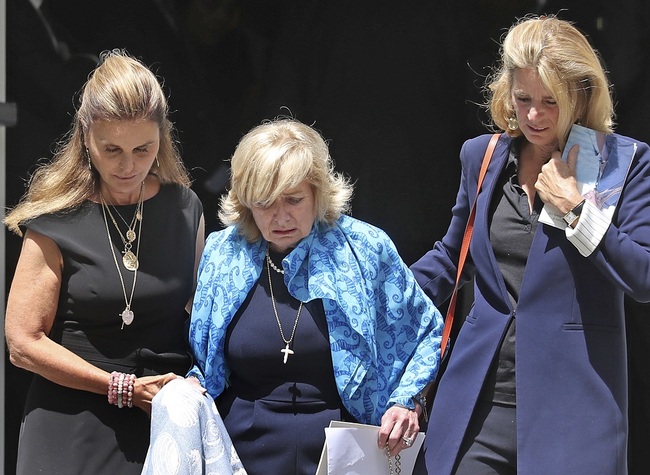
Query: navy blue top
{"x": 264, "y": 390}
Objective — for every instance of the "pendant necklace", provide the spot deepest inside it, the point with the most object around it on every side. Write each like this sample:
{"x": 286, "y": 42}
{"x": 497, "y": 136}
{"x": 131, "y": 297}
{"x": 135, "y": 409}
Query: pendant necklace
{"x": 286, "y": 350}
{"x": 129, "y": 259}
{"x": 126, "y": 314}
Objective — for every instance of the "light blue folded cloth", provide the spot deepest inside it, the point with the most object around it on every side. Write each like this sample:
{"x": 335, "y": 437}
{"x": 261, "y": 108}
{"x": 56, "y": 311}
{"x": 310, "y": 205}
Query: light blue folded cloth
{"x": 188, "y": 436}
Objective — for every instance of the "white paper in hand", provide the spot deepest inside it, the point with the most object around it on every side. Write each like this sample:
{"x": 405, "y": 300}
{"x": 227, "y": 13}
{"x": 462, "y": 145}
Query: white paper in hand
{"x": 600, "y": 175}
{"x": 351, "y": 449}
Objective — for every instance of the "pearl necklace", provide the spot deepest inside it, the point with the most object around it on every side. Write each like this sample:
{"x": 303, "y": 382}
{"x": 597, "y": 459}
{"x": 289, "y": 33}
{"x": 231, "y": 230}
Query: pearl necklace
{"x": 272, "y": 264}
{"x": 286, "y": 350}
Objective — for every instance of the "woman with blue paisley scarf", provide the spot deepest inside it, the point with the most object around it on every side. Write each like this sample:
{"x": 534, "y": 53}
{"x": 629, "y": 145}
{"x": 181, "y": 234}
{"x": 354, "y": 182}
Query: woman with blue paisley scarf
{"x": 303, "y": 314}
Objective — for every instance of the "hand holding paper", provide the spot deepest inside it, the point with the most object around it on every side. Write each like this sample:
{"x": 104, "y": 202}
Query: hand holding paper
{"x": 351, "y": 449}
{"x": 557, "y": 184}
{"x": 600, "y": 175}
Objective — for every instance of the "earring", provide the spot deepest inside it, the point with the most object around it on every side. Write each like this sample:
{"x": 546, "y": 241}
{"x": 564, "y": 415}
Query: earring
{"x": 157, "y": 162}
{"x": 512, "y": 123}
{"x": 90, "y": 164}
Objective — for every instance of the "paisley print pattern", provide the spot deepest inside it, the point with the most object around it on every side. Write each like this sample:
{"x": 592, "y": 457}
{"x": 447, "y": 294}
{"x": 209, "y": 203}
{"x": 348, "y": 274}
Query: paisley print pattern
{"x": 384, "y": 332}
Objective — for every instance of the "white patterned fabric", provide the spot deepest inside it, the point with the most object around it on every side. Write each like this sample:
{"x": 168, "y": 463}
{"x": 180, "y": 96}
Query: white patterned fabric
{"x": 188, "y": 436}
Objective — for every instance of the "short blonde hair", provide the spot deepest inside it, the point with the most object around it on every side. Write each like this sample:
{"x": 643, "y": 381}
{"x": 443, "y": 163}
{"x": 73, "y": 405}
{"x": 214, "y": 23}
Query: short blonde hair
{"x": 121, "y": 88}
{"x": 273, "y": 157}
{"x": 569, "y": 68}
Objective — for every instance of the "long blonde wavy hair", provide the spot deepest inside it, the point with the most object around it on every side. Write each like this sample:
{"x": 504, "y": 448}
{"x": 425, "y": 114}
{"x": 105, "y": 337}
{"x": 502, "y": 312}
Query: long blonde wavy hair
{"x": 568, "y": 66}
{"x": 121, "y": 88}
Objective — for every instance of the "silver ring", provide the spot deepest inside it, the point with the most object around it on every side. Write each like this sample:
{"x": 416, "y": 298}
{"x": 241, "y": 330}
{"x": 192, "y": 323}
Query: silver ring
{"x": 408, "y": 441}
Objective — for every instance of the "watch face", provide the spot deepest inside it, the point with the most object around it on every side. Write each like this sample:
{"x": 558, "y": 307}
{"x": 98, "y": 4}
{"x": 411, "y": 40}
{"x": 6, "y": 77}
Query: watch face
{"x": 570, "y": 217}
{"x": 573, "y": 214}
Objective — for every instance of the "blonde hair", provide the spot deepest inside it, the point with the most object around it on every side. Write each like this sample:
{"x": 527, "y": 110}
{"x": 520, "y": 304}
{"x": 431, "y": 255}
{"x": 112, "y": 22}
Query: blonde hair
{"x": 273, "y": 157}
{"x": 121, "y": 88}
{"x": 569, "y": 68}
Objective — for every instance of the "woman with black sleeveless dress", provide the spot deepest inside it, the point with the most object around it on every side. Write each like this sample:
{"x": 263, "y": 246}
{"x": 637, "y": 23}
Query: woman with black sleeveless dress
{"x": 97, "y": 308}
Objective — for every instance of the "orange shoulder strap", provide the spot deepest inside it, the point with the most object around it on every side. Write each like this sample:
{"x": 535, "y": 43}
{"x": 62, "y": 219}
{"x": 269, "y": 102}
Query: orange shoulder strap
{"x": 449, "y": 318}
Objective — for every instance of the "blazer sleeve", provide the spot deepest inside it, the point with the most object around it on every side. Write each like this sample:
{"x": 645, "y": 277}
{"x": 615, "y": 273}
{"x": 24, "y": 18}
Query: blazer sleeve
{"x": 624, "y": 252}
{"x": 436, "y": 270}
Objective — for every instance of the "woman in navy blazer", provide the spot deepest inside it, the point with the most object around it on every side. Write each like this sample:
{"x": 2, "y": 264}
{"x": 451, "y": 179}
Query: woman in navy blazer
{"x": 536, "y": 381}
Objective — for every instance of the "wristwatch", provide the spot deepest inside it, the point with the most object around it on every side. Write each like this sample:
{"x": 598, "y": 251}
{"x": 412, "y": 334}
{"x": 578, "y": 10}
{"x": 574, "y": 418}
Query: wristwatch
{"x": 574, "y": 213}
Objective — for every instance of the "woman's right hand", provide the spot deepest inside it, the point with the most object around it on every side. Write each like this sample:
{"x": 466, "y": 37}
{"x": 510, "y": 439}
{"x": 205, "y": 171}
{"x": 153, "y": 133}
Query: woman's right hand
{"x": 194, "y": 382}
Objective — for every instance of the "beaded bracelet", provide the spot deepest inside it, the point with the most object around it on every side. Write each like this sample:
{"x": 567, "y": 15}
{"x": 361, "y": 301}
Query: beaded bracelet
{"x": 120, "y": 385}
{"x": 120, "y": 389}
{"x": 128, "y": 391}
{"x": 112, "y": 388}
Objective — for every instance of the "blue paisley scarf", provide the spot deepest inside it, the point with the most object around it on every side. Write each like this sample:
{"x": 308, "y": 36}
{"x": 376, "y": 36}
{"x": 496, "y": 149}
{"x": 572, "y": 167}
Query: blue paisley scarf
{"x": 384, "y": 332}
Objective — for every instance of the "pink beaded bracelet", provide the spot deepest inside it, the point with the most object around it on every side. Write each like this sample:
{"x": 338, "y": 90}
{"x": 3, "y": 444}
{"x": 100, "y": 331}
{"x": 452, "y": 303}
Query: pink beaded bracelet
{"x": 120, "y": 384}
{"x": 112, "y": 388}
{"x": 120, "y": 389}
{"x": 128, "y": 390}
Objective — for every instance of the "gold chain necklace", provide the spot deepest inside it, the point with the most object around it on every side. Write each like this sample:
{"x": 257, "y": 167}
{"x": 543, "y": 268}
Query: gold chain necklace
{"x": 126, "y": 314}
{"x": 398, "y": 463}
{"x": 130, "y": 228}
{"x": 286, "y": 350}
{"x": 129, "y": 259}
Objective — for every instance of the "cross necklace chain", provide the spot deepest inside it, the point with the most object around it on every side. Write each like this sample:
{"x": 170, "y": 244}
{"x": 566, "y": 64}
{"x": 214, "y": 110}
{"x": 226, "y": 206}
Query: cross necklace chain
{"x": 286, "y": 350}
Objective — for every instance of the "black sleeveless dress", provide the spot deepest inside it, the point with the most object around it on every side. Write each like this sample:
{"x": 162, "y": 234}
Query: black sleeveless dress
{"x": 66, "y": 431}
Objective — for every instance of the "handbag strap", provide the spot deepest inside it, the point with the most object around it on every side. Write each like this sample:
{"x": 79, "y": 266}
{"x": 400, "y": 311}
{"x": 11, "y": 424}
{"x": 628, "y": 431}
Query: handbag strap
{"x": 464, "y": 248}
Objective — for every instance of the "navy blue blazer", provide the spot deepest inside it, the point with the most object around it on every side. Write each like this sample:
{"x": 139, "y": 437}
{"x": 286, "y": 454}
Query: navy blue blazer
{"x": 570, "y": 348}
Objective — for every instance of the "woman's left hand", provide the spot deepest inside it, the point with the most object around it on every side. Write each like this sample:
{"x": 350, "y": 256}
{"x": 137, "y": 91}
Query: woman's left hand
{"x": 556, "y": 184}
{"x": 145, "y": 389}
{"x": 399, "y": 426}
